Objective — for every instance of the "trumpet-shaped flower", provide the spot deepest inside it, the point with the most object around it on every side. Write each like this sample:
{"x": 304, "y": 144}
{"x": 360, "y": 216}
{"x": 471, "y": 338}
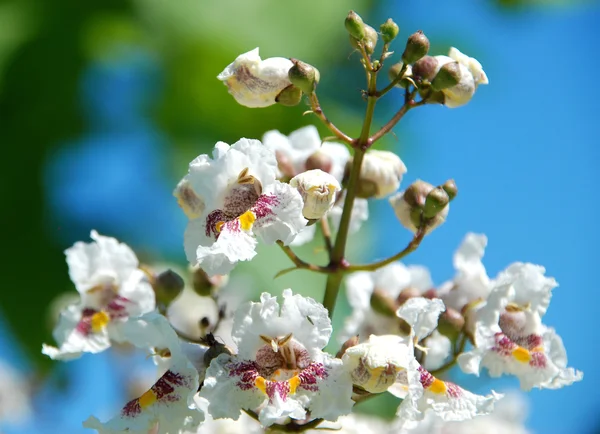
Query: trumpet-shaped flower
{"x": 510, "y": 337}
{"x": 318, "y": 190}
{"x": 280, "y": 370}
{"x": 112, "y": 288}
{"x": 384, "y": 170}
{"x": 242, "y": 199}
{"x": 254, "y": 82}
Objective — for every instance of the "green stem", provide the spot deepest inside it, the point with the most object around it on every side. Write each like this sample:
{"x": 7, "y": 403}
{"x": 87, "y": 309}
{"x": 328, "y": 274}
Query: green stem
{"x": 411, "y": 247}
{"x": 451, "y": 363}
{"x": 318, "y": 111}
{"x": 393, "y": 83}
{"x": 337, "y": 261}
{"x": 299, "y": 262}
{"x": 409, "y": 104}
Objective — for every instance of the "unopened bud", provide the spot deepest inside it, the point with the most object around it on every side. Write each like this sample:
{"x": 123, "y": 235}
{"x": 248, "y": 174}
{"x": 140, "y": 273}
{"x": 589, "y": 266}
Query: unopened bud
{"x": 389, "y": 30}
{"x": 450, "y": 188}
{"x": 451, "y": 323}
{"x": 290, "y": 96}
{"x": 353, "y": 341}
{"x": 319, "y": 160}
{"x": 380, "y": 174}
{"x": 417, "y": 192}
{"x": 431, "y": 294}
{"x": 417, "y": 46}
{"x": 285, "y": 165}
{"x": 369, "y": 41}
{"x": 425, "y": 68}
{"x": 304, "y": 76}
{"x": 203, "y": 285}
{"x": 407, "y": 293}
{"x": 436, "y": 201}
{"x": 449, "y": 75}
{"x": 318, "y": 190}
{"x": 167, "y": 286}
{"x": 355, "y": 25}
{"x": 383, "y": 304}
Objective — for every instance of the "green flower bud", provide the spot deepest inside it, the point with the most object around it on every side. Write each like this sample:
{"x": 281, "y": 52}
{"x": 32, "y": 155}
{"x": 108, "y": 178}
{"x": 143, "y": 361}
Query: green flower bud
{"x": 355, "y": 25}
{"x": 417, "y": 46}
{"x": 451, "y": 323}
{"x": 370, "y": 40}
{"x": 450, "y": 188}
{"x": 389, "y": 30}
{"x": 304, "y": 76}
{"x": 382, "y": 304}
{"x": 203, "y": 285}
{"x": 425, "y": 68}
{"x": 436, "y": 201}
{"x": 290, "y": 96}
{"x": 167, "y": 286}
{"x": 449, "y": 75}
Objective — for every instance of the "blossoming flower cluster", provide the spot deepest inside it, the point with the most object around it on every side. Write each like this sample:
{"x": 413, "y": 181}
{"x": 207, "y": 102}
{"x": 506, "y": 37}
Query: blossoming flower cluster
{"x": 228, "y": 364}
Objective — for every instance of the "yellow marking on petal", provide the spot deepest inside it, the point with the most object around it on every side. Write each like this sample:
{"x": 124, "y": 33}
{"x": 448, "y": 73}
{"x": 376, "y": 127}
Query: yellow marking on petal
{"x": 247, "y": 220}
{"x": 99, "y": 321}
{"x": 219, "y": 226}
{"x": 375, "y": 375}
{"x": 521, "y": 355}
{"x": 147, "y": 399}
{"x": 261, "y": 384}
{"x": 438, "y": 386}
{"x": 294, "y": 382}
{"x": 539, "y": 349}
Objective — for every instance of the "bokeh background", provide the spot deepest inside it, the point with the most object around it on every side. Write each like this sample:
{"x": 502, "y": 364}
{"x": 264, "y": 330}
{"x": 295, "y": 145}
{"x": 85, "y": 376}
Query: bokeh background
{"x": 103, "y": 104}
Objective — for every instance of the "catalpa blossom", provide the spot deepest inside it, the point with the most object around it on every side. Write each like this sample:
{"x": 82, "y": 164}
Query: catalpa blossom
{"x": 387, "y": 282}
{"x": 280, "y": 370}
{"x": 510, "y": 337}
{"x": 471, "y": 281}
{"x": 318, "y": 190}
{"x": 168, "y": 405}
{"x": 112, "y": 289}
{"x": 304, "y": 150}
{"x": 254, "y": 82}
{"x": 242, "y": 200}
{"x": 408, "y": 206}
{"x": 383, "y": 171}
{"x": 424, "y": 392}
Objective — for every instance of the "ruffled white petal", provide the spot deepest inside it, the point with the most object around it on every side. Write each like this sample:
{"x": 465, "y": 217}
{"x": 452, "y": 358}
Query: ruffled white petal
{"x": 421, "y": 314}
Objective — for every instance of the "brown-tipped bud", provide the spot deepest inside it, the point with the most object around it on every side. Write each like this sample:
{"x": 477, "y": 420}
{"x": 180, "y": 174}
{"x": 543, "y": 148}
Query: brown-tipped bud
{"x": 436, "y": 201}
{"x": 450, "y": 188}
{"x": 352, "y": 342}
{"x": 319, "y": 160}
{"x": 417, "y": 46}
{"x": 383, "y": 304}
{"x": 203, "y": 285}
{"x": 451, "y": 323}
{"x": 389, "y": 30}
{"x": 431, "y": 294}
{"x": 449, "y": 75}
{"x": 407, "y": 293}
{"x": 416, "y": 193}
{"x": 290, "y": 96}
{"x": 167, "y": 286}
{"x": 355, "y": 25}
{"x": 425, "y": 68}
{"x": 304, "y": 76}
{"x": 285, "y": 166}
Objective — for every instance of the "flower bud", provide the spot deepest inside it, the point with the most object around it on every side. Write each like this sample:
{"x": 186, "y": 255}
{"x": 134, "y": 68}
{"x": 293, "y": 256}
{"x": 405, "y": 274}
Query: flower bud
{"x": 448, "y": 76}
{"x": 167, "y": 286}
{"x": 407, "y": 293}
{"x": 450, "y": 189}
{"x": 436, "y": 201}
{"x": 395, "y": 71}
{"x": 191, "y": 204}
{"x": 369, "y": 41}
{"x": 431, "y": 294}
{"x": 304, "y": 76}
{"x": 254, "y": 82}
{"x": 204, "y": 285}
{"x": 355, "y": 25}
{"x": 285, "y": 165}
{"x": 290, "y": 96}
{"x": 410, "y": 204}
{"x": 417, "y": 46}
{"x": 319, "y": 160}
{"x": 383, "y": 304}
{"x": 451, "y": 323}
{"x": 380, "y": 174}
{"x": 353, "y": 341}
{"x": 318, "y": 190}
{"x": 425, "y": 68}
{"x": 375, "y": 365}
{"x": 389, "y": 30}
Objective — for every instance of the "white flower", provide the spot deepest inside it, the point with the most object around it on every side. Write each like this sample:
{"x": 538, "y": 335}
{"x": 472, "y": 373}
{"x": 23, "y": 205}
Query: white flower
{"x": 318, "y": 190}
{"x": 191, "y": 204}
{"x": 439, "y": 348}
{"x": 15, "y": 396}
{"x": 388, "y": 281}
{"x": 471, "y": 281}
{"x": 376, "y": 364}
{"x": 355, "y": 423}
{"x": 254, "y": 82}
{"x": 510, "y": 337}
{"x": 280, "y": 370}
{"x": 170, "y": 401}
{"x": 303, "y": 150}
{"x": 244, "y": 425}
{"x": 384, "y": 169}
{"x": 471, "y": 75}
{"x": 242, "y": 199}
{"x": 412, "y": 200}
{"x": 112, "y": 288}
{"x": 421, "y": 391}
